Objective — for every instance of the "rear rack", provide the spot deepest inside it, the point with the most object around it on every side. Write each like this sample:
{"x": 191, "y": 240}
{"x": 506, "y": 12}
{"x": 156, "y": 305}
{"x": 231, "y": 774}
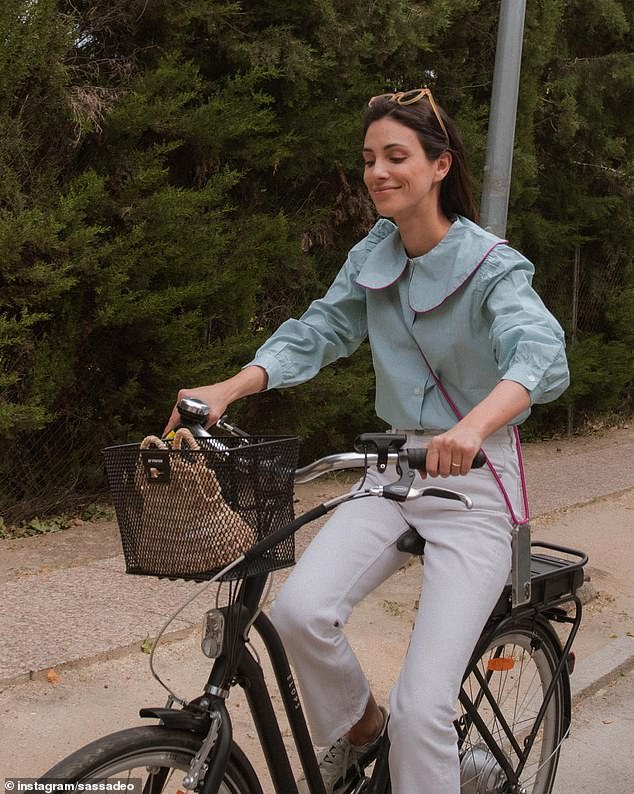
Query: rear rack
{"x": 554, "y": 578}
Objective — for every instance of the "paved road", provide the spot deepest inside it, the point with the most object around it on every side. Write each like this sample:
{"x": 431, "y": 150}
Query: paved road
{"x": 598, "y": 758}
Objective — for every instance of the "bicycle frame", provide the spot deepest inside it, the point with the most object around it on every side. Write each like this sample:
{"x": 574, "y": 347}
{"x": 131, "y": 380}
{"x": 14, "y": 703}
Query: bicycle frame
{"x": 248, "y": 673}
{"x": 379, "y": 781}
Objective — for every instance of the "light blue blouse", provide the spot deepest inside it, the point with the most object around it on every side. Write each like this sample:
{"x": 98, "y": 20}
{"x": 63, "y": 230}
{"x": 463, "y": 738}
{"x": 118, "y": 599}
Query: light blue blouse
{"x": 467, "y": 304}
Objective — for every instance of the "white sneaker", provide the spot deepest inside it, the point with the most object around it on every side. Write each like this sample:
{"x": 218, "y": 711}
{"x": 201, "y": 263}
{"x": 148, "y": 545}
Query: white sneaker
{"x": 341, "y": 764}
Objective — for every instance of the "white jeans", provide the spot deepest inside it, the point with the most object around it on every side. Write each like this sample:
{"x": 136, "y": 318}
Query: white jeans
{"x": 467, "y": 562}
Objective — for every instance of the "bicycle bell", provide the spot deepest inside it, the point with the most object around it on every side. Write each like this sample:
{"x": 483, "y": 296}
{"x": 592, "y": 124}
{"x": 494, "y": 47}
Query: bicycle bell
{"x": 194, "y": 414}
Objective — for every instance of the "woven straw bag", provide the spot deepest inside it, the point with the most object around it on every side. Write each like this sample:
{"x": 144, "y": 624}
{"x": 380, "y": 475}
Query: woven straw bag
{"x": 186, "y": 525}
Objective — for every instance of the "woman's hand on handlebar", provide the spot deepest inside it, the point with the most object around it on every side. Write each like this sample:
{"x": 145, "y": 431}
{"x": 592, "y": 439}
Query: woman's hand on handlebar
{"x": 215, "y": 396}
{"x": 452, "y": 453}
{"x": 218, "y": 396}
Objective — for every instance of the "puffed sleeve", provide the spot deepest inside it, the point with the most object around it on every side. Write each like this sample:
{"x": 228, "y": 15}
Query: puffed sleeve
{"x": 332, "y": 327}
{"x": 527, "y": 341}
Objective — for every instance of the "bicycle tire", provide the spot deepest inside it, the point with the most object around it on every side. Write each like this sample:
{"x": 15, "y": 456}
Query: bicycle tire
{"x": 519, "y": 661}
{"x": 147, "y": 751}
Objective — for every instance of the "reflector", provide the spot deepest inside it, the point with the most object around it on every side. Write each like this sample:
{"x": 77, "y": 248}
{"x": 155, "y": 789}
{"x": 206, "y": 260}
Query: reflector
{"x": 500, "y": 663}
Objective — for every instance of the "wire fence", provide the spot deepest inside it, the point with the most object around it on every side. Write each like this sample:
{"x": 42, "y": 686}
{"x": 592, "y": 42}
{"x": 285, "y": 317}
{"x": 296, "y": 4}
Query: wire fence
{"x": 59, "y": 469}
{"x": 580, "y": 299}
{"x": 51, "y": 471}
{"x": 582, "y": 293}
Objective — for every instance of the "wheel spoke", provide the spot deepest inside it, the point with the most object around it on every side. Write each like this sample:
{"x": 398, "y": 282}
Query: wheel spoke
{"x": 515, "y": 673}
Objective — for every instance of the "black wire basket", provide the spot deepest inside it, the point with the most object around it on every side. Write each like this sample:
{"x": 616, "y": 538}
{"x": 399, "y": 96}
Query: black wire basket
{"x": 187, "y": 513}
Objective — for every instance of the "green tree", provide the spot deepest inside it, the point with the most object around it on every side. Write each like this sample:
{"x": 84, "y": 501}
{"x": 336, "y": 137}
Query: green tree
{"x": 180, "y": 178}
{"x": 582, "y": 185}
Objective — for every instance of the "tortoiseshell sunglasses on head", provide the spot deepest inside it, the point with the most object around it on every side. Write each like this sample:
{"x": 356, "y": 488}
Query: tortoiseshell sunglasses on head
{"x": 410, "y": 98}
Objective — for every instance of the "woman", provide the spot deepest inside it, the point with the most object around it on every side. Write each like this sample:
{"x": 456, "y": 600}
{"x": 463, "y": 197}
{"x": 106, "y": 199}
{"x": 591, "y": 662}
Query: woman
{"x": 432, "y": 291}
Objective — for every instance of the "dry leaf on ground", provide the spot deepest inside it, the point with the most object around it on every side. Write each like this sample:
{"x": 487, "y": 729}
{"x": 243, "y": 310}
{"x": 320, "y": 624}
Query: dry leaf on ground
{"x": 53, "y": 677}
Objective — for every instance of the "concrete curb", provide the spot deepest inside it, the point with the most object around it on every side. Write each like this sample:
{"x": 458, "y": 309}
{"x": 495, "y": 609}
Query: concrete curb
{"x": 82, "y": 662}
{"x": 590, "y": 675}
{"x": 601, "y": 668}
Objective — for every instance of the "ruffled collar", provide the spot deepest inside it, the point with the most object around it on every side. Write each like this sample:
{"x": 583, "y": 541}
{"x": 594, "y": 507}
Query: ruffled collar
{"x": 437, "y": 274}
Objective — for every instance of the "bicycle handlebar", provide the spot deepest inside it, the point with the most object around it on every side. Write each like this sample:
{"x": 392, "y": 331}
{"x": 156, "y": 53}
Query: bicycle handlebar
{"x": 357, "y": 460}
{"x": 375, "y": 449}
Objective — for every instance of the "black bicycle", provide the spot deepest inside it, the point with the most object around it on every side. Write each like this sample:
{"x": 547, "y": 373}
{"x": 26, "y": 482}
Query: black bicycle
{"x": 514, "y": 704}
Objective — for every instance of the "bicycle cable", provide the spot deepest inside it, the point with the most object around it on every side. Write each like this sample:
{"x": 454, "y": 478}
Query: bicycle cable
{"x": 171, "y": 619}
{"x": 247, "y": 628}
{"x": 547, "y": 759}
{"x": 365, "y": 467}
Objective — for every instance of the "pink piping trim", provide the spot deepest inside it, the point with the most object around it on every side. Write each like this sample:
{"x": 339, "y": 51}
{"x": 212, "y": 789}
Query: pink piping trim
{"x": 516, "y": 520}
{"x": 466, "y": 278}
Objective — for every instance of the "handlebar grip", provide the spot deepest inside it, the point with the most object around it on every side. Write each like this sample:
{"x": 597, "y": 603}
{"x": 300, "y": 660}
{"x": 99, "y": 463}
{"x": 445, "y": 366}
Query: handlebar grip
{"x": 479, "y": 460}
{"x": 416, "y": 458}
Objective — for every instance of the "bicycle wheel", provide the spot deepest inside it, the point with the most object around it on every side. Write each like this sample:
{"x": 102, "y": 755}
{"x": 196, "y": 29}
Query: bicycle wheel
{"x": 515, "y": 670}
{"x": 157, "y": 756}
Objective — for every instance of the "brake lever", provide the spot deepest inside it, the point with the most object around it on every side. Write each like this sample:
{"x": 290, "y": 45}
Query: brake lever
{"x": 235, "y": 431}
{"x": 442, "y": 493}
{"x": 403, "y": 494}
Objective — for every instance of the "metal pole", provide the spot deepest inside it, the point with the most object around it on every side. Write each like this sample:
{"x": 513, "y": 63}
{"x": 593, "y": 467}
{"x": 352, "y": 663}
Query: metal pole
{"x": 575, "y": 318}
{"x": 506, "y": 77}
{"x": 575, "y": 293}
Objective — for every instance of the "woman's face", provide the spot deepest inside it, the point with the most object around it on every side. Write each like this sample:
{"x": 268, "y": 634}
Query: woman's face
{"x": 402, "y": 181}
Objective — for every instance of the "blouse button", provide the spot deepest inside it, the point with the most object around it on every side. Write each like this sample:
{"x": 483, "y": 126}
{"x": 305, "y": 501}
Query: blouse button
{"x": 532, "y": 378}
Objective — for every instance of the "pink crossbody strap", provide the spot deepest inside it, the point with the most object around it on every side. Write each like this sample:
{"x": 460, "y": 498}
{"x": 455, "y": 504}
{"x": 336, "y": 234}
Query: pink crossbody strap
{"x": 516, "y": 520}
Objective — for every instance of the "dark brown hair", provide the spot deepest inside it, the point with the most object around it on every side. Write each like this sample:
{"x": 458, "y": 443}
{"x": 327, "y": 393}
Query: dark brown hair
{"x": 456, "y": 195}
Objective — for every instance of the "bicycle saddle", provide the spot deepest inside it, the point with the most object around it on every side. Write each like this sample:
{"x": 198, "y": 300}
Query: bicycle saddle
{"x": 411, "y": 542}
